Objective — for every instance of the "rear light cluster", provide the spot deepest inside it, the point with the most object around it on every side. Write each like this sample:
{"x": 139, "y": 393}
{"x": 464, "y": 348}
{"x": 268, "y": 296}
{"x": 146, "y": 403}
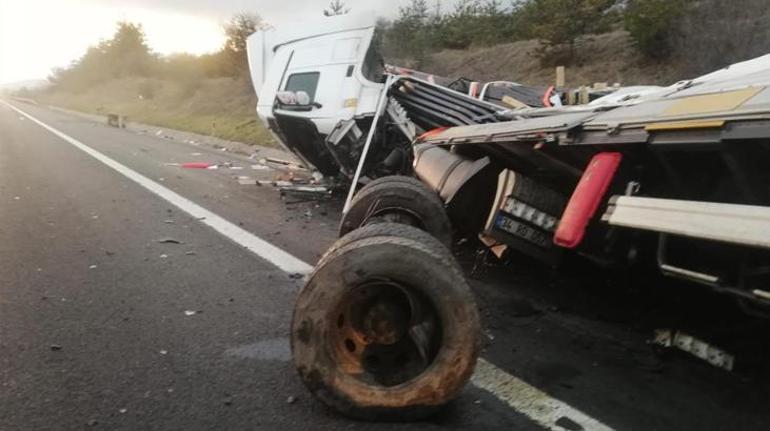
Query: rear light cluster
{"x": 586, "y": 198}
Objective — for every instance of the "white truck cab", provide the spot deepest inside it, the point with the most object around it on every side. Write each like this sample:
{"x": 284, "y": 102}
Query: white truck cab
{"x": 333, "y": 62}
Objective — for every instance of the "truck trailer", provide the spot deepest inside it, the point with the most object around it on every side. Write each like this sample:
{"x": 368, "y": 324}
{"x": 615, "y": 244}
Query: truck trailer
{"x": 672, "y": 179}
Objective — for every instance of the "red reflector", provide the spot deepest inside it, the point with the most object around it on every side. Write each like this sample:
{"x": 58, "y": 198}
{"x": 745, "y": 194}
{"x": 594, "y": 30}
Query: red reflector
{"x": 430, "y": 133}
{"x": 586, "y": 198}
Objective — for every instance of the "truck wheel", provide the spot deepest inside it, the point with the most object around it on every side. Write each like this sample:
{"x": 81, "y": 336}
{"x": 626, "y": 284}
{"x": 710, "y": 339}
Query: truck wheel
{"x": 399, "y": 199}
{"x": 386, "y": 327}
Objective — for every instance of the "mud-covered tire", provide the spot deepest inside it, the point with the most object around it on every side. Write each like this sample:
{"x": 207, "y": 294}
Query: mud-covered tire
{"x": 387, "y": 254}
{"x": 400, "y": 199}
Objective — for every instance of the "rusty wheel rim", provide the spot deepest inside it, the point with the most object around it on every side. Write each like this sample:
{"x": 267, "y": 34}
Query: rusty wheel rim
{"x": 385, "y": 333}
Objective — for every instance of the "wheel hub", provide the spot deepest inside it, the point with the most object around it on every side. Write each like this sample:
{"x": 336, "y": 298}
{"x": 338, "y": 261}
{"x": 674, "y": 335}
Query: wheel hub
{"x": 385, "y": 333}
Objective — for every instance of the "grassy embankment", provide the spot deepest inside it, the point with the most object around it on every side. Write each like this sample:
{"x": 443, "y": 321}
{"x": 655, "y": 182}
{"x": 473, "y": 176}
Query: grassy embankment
{"x": 222, "y": 107}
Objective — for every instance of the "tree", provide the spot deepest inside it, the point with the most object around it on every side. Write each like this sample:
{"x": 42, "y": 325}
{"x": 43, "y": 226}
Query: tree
{"x": 651, "y": 24}
{"x": 336, "y": 7}
{"x": 125, "y": 54}
{"x": 412, "y": 32}
{"x": 559, "y": 23}
{"x": 240, "y": 27}
{"x": 237, "y": 31}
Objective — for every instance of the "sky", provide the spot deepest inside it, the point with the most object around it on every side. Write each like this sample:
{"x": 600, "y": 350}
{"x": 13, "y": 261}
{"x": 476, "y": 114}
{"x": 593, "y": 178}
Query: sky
{"x": 38, "y": 35}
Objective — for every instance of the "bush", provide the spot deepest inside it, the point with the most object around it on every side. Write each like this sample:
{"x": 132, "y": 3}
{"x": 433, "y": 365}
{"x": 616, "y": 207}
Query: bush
{"x": 716, "y": 33}
{"x": 652, "y": 23}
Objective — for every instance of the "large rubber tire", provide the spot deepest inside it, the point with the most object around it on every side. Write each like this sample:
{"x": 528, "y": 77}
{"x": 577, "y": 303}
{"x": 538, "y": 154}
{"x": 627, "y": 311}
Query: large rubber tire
{"x": 399, "y": 254}
{"x": 399, "y": 199}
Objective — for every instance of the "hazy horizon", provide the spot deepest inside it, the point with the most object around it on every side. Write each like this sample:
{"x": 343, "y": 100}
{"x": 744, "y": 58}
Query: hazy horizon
{"x": 171, "y": 26}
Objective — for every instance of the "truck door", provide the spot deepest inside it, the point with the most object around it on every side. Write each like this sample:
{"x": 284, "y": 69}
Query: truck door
{"x": 325, "y": 69}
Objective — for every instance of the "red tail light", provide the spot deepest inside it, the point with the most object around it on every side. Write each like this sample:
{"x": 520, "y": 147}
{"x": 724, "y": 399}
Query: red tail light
{"x": 586, "y": 198}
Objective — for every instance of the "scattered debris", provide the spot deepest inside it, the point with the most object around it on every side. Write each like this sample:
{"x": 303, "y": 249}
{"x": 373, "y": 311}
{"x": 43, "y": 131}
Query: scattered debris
{"x": 291, "y": 399}
{"x": 117, "y": 120}
{"x": 164, "y": 256}
{"x": 701, "y": 349}
{"x": 169, "y": 241}
{"x": 247, "y": 181}
{"x": 189, "y": 253}
{"x": 92, "y": 267}
{"x": 195, "y": 154}
{"x": 569, "y": 424}
{"x": 190, "y": 312}
{"x": 169, "y": 221}
{"x": 123, "y": 410}
{"x": 197, "y": 165}
{"x": 55, "y": 347}
{"x": 164, "y": 352}
{"x": 283, "y": 165}
{"x": 16, "y": 198}
{"x": 260, "y": 168}
{"x": 275, "y": 183}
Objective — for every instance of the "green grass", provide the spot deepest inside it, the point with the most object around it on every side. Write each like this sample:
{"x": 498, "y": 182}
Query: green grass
{"x": 222, "y": 107}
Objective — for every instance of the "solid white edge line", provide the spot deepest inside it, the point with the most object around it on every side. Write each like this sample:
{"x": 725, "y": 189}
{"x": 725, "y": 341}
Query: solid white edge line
{"x": 519, "y": 395}
{"x": 258, "y": 246}
{"x": 535, "y": 404}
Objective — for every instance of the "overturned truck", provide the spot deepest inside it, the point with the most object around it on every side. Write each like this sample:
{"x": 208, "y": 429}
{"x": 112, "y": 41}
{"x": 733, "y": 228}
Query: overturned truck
{"x": 386, "y": 325}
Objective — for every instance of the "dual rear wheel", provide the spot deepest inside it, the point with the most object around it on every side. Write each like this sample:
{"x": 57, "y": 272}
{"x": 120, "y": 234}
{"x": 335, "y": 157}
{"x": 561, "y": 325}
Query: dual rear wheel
{"x": 386, "y": 327}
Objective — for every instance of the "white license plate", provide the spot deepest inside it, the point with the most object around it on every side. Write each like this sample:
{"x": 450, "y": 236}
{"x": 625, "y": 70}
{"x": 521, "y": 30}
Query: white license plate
{"x": 523, "y": 231}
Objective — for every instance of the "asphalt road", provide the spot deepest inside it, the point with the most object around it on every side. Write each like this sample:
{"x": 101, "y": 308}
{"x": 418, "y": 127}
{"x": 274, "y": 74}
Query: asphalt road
{"x": 104, "y": 325}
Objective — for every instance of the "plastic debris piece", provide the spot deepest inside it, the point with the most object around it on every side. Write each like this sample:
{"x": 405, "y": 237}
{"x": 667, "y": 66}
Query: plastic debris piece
{"x": 169, "y": 241}
{"x": 56, "y": 347}
{"x": 190, "y": 312}
{"x": 163, "y": 256}
{"x": 92, "y": 267}
{"x": 197, "y": 165}
{"x": 247, "y": 181}
{"x": 195, "y": 154}
{"x": 164, "y": 352}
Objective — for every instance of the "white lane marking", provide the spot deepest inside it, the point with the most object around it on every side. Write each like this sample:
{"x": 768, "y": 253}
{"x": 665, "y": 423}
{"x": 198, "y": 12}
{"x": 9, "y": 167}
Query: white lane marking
{"x": 258, "y": 246}
{"x": 530, "y": 401}
{"x": 520, "y": 396}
